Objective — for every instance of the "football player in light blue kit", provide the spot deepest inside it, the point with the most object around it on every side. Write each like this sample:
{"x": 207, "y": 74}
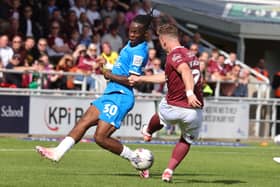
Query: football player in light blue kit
{"x": 118, "y": 99}
{"x": 108, "y": 111}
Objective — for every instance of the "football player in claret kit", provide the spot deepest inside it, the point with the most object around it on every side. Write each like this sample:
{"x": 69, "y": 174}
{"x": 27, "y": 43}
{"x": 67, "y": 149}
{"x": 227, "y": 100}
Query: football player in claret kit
{"x": 183, "y": 102}
{"x": 108, "y": 111}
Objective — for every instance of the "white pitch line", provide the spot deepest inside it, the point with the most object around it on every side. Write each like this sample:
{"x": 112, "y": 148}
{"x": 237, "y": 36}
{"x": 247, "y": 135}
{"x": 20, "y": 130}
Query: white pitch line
{"x": 156, "y": 151}
{"x": 26, "y": 150}
{"x": 75, "y": 150}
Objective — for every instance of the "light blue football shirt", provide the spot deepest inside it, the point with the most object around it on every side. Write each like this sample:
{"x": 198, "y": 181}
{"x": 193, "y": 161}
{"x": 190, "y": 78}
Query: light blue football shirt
{"x": 131, "y": 60}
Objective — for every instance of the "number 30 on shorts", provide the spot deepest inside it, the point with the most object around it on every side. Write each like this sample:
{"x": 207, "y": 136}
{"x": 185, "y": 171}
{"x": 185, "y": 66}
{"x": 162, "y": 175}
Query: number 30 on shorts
{"x": 111, "y": 109}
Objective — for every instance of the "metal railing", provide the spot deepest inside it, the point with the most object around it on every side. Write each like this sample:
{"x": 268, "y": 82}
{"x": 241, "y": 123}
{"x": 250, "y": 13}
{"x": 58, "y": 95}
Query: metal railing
{"x": 260, "y": 98}
{"x": 262, "y": 90}
{"x": 100, "y": 81}
{"x": 101, "y": 84}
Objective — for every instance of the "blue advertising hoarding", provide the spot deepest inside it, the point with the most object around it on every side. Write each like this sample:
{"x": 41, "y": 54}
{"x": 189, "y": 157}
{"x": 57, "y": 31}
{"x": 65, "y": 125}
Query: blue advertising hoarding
{"x": 14, "y": 114}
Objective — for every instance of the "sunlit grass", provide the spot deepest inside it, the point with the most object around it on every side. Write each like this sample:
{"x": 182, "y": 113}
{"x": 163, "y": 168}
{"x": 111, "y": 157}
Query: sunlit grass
{"x": 89, "y": 165}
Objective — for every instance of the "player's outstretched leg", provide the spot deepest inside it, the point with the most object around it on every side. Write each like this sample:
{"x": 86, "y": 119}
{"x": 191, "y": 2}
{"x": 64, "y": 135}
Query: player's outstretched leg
{"x": 103, "y": 138}
{"x": 277, "y": 159}
{"x": 179, "y": 152}
{"x": 153, "y": 126}
{"x": 56, "y": 153}
{"x": 48, "y": 153}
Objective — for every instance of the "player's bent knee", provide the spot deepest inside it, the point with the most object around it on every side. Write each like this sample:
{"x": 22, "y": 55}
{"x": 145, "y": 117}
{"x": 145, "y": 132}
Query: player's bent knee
{"x": 100, "y": 139}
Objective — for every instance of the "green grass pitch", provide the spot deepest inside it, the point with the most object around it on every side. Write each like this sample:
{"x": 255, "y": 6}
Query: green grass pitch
{"x": 88, "y": 165}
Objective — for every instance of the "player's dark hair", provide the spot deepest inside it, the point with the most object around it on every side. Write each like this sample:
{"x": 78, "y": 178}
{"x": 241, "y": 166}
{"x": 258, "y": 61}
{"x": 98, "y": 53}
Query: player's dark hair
{"x": 144, "y": 20}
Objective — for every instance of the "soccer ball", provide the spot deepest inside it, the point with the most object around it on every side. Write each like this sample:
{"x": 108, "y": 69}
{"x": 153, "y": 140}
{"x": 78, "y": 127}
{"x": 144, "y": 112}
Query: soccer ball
{"x": 277, "y": 139}
{"x": 144, "y": 159}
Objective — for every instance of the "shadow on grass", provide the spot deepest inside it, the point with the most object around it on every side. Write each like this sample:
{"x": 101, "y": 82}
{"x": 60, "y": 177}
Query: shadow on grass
{"x": 156, "y": 174}
{"x": 178, "y": 178}
{"x": 99, "y": 174}
{"x": 184, "y": 174}
{"x": 226, "y": 182}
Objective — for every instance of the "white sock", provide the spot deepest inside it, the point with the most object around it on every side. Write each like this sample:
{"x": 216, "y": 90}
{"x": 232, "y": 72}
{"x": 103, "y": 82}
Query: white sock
{"x": 169, "y": 170}
{"x": 127, "y": 153}
{"x": 64, "y": 145}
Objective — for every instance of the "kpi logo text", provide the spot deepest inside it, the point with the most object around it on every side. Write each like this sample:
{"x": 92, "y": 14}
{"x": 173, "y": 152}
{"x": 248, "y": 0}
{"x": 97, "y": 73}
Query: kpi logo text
{"x": 56, "y": 116}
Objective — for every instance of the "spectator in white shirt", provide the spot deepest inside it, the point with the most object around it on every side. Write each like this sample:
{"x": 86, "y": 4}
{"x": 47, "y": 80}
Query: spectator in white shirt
{"x": 57, "y": 45}
{"x": 78, "y": 8}
{"x": 147, "y": 8}
{"x": 6, "y": 53}
{"x": 92, "y": 12}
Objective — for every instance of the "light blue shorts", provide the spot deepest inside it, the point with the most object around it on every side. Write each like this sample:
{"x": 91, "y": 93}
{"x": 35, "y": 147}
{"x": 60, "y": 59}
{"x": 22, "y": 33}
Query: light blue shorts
{"x": 113, "y": 107}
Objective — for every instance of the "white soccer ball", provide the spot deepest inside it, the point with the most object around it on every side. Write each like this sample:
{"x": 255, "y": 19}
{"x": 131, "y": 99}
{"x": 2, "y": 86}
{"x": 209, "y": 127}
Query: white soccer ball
{"x": 144, "y": 159}
{"x": 277, "y": 139}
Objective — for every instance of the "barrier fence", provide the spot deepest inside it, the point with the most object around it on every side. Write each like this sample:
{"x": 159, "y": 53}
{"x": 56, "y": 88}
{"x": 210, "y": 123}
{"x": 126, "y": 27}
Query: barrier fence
{"x": 261, "y": 88}
{"x": 252, "y": 116}
{"x": 225, "y": 117}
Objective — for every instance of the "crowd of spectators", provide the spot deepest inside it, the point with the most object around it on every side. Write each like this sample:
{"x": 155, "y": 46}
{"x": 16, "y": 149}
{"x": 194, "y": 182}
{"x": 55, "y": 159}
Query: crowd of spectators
{"x": 64, "y": 36}
{"x": 68, "y": 36}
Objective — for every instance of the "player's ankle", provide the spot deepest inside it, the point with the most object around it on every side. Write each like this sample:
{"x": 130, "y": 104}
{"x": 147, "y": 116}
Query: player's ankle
{"x": 127, "y": 153}
{"x": 169, "y": 170}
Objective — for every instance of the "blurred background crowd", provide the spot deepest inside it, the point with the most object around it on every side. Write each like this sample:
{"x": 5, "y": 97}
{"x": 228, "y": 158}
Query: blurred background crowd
{"x": 68, "y": 36}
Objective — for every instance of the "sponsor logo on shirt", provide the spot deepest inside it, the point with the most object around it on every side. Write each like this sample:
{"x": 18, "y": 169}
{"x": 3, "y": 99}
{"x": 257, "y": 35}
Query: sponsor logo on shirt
{"x": 137, "y": 60}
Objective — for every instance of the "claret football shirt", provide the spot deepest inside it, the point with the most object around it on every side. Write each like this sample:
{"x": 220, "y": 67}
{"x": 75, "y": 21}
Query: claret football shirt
{"x": 176, "y": 94}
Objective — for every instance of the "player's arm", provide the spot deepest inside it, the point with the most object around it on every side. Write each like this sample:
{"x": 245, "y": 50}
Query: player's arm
{"x": 157, "y": 78}
{"x": 187, "y": 76}
{"x": 116, "y": 78}
{"x": 188, "y": 80}
{"x": 107, "y": 73}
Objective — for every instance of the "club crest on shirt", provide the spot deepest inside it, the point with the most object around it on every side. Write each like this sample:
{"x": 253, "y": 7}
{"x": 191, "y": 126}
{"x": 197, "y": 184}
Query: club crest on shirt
{"x": 137, "y": 60}
{"x": 176, "y": 57}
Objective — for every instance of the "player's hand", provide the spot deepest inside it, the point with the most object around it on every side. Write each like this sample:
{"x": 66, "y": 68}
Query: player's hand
{"x": 194, "y": 102}
{"x": 106, "y": 73}
{"x": 133, "y": 79}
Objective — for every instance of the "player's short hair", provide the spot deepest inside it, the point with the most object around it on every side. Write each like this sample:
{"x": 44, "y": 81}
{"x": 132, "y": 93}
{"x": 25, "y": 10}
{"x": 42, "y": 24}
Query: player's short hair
{"x": 144, "y": 20}
{"x": 168, "y": 29}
